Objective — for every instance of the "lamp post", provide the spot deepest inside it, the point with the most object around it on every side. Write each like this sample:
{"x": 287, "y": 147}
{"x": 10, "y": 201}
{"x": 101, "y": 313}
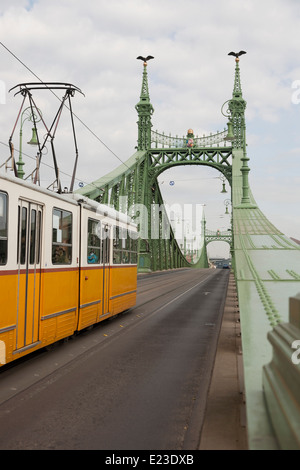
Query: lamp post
{"x": 27, "y": 115}
{"x": 227, "y": 203}
{"x": 223, "y": 179}
{"x": 230, "y": 132}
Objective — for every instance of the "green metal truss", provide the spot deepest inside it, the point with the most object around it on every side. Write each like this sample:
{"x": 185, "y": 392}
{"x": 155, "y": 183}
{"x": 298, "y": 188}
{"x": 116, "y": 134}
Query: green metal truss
{"x": 265, "y": 262}
{"x": 216, "y": 236}
{"x": 135, "y": 183}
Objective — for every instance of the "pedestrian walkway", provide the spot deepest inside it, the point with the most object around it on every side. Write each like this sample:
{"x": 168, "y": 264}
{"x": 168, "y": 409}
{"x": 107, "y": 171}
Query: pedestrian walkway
{"x": 225, "y": 419}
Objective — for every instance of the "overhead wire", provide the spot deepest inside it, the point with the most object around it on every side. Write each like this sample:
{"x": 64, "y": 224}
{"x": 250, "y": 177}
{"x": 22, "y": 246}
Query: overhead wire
{"x": 44, "y": 163}
{"x": 77, "y": 117}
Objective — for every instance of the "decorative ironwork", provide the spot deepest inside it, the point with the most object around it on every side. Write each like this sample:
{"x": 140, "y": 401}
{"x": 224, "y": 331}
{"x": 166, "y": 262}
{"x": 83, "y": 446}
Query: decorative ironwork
{"x": 211, "y": 140}
{"x": 218, "y": 158}
{"x": 217, "y": 235}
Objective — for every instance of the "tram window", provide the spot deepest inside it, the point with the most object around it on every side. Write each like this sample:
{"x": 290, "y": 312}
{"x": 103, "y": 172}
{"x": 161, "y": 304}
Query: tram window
{"x": 3, "y": 228}
{"x": 133, "y": 258}
{"x": 22, "y": 231}
{"x": 125, "y": 257}
{"x": 39, "y": 227}
{"x": 133, "y": 247}
{"x": 125, "y": 246}
{"x": 61, "y": 237}
{"x": 117, "y": 245}
{"x": 116, "y": 257}
{"x": 93, "y": 241}
{"x": 32, "y": 236}
{"x": 105, "y": 244}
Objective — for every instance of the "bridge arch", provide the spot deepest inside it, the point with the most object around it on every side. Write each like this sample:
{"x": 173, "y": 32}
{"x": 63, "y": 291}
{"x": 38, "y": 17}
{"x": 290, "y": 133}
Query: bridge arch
{"x": 218, "y": 237}
{"x": 165, "y": 159}
{"x": 218, "y": 250}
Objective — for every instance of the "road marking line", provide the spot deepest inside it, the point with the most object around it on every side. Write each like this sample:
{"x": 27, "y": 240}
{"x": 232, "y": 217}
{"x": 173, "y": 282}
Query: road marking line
{"x": 180, "y": 295}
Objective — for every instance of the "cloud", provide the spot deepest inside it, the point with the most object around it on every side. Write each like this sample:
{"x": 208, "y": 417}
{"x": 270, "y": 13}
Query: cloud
{"x": 95, "y": 44}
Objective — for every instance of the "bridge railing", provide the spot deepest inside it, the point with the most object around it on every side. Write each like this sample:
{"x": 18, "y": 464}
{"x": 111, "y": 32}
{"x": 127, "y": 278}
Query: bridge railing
{"x": 164, "y": 140}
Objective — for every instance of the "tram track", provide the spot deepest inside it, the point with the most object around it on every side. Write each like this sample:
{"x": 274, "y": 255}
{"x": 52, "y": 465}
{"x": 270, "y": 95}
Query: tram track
{"x": 146, "y": 284}
{"x": 168, "y": 287}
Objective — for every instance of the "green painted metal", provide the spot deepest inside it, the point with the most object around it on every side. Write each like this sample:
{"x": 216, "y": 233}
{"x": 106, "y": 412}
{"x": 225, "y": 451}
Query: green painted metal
{"x": 281, "y": 379}
{"x": 218, "y": 236}
{"x": 266, "y": 265}
{"x": 145, "y": 110}
{"x": 135, "y": 185}
{"x": 265, "y": 261}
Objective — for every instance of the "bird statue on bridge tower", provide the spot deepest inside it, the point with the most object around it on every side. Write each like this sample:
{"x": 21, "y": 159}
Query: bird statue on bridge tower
{"x": 237, "y": 54}
{"x": 145, "y": 59}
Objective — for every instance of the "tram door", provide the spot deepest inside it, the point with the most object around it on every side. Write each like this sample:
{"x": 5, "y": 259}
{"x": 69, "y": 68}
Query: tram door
{"x": 105, "y": 248}
{"x": 29, "y": 273}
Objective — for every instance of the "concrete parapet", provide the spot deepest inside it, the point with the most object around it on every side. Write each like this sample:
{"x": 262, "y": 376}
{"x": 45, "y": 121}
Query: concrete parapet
{"x": 281, "y": 379}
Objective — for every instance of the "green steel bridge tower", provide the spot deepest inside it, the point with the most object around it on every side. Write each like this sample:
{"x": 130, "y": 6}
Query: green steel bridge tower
{"x": 266, "y": 263}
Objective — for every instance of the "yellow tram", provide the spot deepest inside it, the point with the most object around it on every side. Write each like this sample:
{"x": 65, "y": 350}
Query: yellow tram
{"x": 66, "y": 263}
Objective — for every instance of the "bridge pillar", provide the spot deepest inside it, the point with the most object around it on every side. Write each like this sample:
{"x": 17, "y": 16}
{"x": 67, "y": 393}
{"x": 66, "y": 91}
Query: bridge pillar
{"x": 237, "y": 107}
{"x": 145, "y": 111}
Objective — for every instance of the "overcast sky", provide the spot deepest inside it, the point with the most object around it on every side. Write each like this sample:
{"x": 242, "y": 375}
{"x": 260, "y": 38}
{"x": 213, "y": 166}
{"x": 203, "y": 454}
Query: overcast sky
{"x": 94, "y": 45}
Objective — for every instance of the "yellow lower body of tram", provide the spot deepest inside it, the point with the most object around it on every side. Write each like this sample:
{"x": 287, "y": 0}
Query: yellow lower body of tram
{"x": 43, "y": 298}
{"x": 55, "y": 311}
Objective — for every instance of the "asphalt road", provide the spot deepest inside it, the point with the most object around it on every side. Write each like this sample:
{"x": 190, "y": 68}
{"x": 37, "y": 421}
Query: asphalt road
{"x": 136, "y": 382}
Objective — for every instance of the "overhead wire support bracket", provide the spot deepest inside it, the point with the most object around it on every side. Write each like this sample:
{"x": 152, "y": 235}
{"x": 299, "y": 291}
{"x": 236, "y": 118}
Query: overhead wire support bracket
{"x": 24, "y": 87}
{"x": 25, "y": 90}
